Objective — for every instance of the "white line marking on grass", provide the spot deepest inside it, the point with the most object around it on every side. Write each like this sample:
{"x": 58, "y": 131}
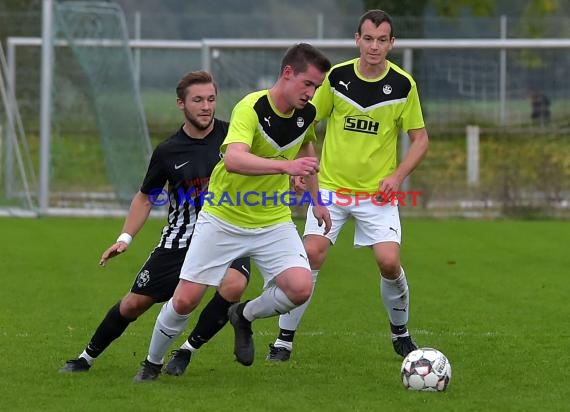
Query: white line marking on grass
{"x": 421, "y": 332}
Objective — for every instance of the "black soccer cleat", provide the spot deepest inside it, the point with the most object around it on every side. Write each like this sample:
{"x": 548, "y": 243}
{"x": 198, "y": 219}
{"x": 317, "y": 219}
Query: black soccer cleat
{"x": 243, "y": 342}
{"x": 75, "y": 365}
{"x": 179, "y": 362}
{"x": 403, "y": 345}
{"x": 148, "y": 372}
{"x": 278, "y": 354}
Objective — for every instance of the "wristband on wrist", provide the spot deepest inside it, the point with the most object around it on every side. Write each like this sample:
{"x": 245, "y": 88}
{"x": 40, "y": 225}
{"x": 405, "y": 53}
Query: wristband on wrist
{"x": 125, "y": 238}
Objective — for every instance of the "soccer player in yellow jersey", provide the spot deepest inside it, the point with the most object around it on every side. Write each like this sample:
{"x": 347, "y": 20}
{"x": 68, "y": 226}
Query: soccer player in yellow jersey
{"x": 367, "y": 101}
{"x": 269, "y": 139}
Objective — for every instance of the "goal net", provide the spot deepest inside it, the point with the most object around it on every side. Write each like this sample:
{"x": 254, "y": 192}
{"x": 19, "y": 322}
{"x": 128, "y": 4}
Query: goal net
{"x": 98, "y": 117}
{"x": 18, "y": 182}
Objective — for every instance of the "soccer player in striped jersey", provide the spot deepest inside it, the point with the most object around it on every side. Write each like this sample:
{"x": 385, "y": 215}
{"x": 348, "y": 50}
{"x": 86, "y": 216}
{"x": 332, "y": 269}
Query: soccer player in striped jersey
{"x": 367, "y": 101}
{"x": 185, "y": 161}
{"x": 268, "y": 130}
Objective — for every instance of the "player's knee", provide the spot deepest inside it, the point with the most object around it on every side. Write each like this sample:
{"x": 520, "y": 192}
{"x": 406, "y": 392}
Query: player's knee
{"x": 302, "y": 291}
{"x": 132, "y": 306}
{"x": 232, "y": 287}
{"x": 130, "y": 310}
{"x": 298, "y": 298}
{"x": 390, "y": 268}
{"x": 182, "y": 304}
{"x": 303, "y": 296}
{"x": 316, "y": 254}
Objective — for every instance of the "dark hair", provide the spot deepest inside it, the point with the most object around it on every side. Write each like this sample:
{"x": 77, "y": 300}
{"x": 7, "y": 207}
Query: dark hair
{"x": 191, "y": 78}
{"x": 301, "y": 55}
{"x": 377, "y": 17}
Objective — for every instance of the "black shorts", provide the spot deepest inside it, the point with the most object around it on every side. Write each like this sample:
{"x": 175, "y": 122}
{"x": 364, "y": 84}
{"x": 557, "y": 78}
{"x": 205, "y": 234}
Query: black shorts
{"x": 159, "y": 275}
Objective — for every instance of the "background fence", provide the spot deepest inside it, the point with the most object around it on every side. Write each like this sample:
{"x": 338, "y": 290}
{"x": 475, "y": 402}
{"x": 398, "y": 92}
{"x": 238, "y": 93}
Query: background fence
{"x": 523, "y": 159}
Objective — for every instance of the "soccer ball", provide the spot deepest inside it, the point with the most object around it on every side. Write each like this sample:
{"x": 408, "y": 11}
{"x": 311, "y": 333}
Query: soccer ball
{"x": 426, "y": 369}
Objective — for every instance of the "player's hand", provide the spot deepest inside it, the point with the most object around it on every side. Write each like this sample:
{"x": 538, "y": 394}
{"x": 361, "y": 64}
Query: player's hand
{"x": 113, "y": 251}
{"x": 389, "y": 186}
{"x": 298, "y": 184}
{"x": 323, "y": 216}
{"x": 303, "y": 166}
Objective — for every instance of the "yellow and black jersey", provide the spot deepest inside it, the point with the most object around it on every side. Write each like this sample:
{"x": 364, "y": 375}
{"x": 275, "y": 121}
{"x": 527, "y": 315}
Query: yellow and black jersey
{"x": 255, "y": 201}
{"x": 364, "y": 119}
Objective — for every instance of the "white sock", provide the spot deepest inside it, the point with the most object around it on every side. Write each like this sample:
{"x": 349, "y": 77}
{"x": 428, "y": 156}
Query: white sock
{"x": 401, "y": 335}
{"x": 186, "y": 345}
{"x": 272, "y": 301}
{"x": 169, "y": 325}
{"x": 291, "y": 320}
{"x": 90, "y": 360}
{"x": 283, "y": 344}
{"x": 396, "y": 298}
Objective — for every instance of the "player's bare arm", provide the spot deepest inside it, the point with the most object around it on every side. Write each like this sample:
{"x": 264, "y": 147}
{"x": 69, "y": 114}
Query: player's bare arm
{"x": 320, "y": 211}
{"x": 416, "y": 153}
{"x": 137, "y": 216}
{"x": 238, "y": 159}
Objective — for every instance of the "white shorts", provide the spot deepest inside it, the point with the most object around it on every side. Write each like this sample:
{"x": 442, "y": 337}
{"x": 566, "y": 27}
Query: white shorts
{"x": 216, "y": 244}
{"x": 374, "y": 223}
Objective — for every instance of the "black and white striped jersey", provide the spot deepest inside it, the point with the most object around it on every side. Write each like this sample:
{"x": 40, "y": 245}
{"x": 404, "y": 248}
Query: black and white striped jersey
{"x": 185, "y": 164}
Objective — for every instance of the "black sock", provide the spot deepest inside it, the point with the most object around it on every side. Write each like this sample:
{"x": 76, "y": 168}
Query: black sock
{"x": 212, "y": 319}
{"x": 398, "y": 330}
{"x": 286, "y": 335}
{"x": 108, "y": 330}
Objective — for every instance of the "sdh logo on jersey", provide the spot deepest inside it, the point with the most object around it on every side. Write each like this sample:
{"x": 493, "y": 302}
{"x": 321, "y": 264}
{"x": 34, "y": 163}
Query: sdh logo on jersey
{"x": 362, "y": 124}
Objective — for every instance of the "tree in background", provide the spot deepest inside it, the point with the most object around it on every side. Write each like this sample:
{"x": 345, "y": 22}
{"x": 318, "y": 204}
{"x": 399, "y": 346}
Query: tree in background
{"x": 20, "y": 18}
{"x": 480, "y": 8}
{"x": 411, "y": 10}
{"x": 456, "y": 7}
{"x": 398, "y": 7}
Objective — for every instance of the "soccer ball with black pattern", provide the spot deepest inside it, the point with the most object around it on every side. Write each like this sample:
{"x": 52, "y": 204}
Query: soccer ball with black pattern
{"x": 426, "y": 369}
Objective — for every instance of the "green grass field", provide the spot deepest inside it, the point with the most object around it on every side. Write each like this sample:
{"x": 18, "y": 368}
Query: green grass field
{"x": 492, "y": 295}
